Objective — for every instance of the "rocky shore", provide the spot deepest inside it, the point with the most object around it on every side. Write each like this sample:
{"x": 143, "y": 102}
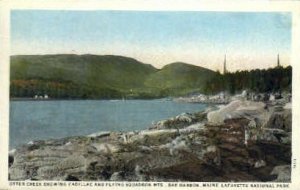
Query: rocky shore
{"x": 241, "y": 141}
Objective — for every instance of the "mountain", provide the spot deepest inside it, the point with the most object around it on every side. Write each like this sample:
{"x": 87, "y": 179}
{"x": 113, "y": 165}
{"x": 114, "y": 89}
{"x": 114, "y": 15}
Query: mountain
{"x": 77, "y": 76}
{"x": 105, "y": 71}
{"x": 181, "y": 76}
{"x": 96, "y": 76}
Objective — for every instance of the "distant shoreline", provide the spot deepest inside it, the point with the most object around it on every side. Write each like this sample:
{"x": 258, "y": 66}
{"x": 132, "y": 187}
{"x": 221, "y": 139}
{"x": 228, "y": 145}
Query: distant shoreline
{"x": 72, "y": 99}
{"x": 33, "y": 99}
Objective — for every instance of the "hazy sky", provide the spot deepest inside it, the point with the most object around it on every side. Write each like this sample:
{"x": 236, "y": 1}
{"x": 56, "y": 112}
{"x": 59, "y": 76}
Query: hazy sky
{"x": 250, "y": 40}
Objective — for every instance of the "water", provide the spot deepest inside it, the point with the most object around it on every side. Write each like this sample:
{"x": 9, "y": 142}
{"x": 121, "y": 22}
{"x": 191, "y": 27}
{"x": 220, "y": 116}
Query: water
{"x": 35, "y": 120}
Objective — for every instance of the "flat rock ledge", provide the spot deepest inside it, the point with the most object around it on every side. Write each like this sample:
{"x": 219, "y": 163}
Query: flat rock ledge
{"x": 254, "y": 145}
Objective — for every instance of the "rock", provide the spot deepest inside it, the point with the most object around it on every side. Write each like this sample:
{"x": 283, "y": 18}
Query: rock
{"x": 235, "y": 143}
{"x": 273, "y": 135}
{"x": 145, "y": 149}
{"x": 185, "y": 117}
{"x": 280, "y": 119}
{"x": 287, "y": 139}
{"x": 220, "y": 98}
{"x": 288, "y": 106}
{"x": 71, "y": 178}
{"x": 277, "y": 96}
{"x": 176, "y": 145}
{"x": 244, "y": 93}
{"x": 11, "y": 155}
{"x": 153, "y": 137}
{"x": 192, "y": 128}
{"x": 66, "y": 166}
{"x": 217, "y": 117}
{"x": 259, "y": 163}
{"x": 176, "y": 122}
{"x": 252, "y": 124}
{"x": 10, "y": 160}
{"x": 117, "y": 176}
{"x": 180, "y": 121}
{"x": 18, "y": 173}
{"x": 241, "y": 97}
{"x": 100, "y": 134}
{"x": 266, "y": 97}
{"x": 287, "y": 118}
{"x": 283, "y": 173}
{"x": 106, "y": 148}
{"x": 236, "y": 109}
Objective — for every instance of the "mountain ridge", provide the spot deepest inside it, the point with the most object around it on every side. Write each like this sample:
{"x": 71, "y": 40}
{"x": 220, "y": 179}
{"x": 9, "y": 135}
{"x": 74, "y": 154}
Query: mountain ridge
{"x": 94, "y": 73}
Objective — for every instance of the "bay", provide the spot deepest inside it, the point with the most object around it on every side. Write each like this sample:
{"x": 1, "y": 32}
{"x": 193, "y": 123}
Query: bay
{"x": 40, "y": 120}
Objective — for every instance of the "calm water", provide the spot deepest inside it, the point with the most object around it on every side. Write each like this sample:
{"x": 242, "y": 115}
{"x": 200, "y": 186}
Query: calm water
{"x": 34, "y": 120}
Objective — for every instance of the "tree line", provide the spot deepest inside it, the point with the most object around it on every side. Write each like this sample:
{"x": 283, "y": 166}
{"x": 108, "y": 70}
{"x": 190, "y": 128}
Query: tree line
{"x": 259, "y": 81}
{"x": 266, "y": 80}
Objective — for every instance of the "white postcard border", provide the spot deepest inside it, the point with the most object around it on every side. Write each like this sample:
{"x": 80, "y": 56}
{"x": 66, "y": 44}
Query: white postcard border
{"x": 143, "y": 5}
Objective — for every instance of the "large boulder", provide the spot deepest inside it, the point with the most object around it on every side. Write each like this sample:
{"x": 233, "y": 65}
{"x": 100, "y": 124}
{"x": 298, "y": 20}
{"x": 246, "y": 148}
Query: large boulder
{"x": 237, "y": 109}
{"x": 281, "y": 118}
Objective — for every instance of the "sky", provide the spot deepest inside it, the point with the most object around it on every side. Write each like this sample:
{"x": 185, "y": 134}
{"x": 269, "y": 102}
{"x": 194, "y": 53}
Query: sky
{"x": 249, "y": 40}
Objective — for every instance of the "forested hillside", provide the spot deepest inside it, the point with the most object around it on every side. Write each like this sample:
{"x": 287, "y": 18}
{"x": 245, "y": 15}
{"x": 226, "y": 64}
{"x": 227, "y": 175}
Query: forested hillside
{"x": 112, "y": 77}
{"x": 266, "y": 80}
{"x": 101, "y": 77}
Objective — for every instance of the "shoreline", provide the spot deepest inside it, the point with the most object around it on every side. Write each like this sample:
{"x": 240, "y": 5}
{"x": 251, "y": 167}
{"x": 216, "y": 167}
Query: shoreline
{"x": 200, "y": 146}
{"x": 79, "y": 99}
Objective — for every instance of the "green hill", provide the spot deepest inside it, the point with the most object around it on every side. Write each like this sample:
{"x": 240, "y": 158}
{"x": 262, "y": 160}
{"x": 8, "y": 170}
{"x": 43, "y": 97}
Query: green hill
{"x": 104, "y": 71}
{"x": 180, "y": 78}
{"x": 87, "y": 75}
{"x": 95, "y": 76}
